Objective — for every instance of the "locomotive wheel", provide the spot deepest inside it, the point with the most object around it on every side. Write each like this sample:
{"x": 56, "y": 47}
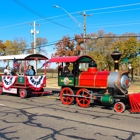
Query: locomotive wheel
{"x": 85, "y": 100}
{"x": 23, "y": 93}
{"x": 0, "y": 90}
{"x": 119, "y": 107}
{"x": 64, "y": 96}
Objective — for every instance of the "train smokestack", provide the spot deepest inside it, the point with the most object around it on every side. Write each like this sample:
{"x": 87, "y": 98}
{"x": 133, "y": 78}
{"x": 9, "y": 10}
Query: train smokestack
{"x": 116, "y": 56}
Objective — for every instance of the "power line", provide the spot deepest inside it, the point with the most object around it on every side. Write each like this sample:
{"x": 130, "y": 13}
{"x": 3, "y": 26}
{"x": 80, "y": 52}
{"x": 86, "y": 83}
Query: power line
{"x": 123, "y": 24}
{"x": 120, "y": 6}
{"x": 72, "y": 13}
{"x": 97, "y": 37}
{"x": 88, "y": 26}
{"x": 81, "y": 11}
{"x": 115, "y": 25}
{"x": 42, "y": 46}
{"x": 38, "y": 14}
{"x": 116, "y": 11}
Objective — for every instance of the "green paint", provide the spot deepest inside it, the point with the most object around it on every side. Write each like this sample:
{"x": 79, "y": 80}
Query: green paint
{"x": 76, "y": 81}
{"x": 85, "y": 59}
{"x": 66, "y": 81}
{"x": 0, "y": 78}
{"x": 21, "y": 80}
{"x": 107, "y": 99}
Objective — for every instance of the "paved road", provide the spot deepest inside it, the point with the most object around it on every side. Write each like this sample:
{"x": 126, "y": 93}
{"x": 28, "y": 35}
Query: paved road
{"x": 43, "y": 118}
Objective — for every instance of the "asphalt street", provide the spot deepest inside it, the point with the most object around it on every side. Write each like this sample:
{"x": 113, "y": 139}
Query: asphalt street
{"x": 46, "y": 118}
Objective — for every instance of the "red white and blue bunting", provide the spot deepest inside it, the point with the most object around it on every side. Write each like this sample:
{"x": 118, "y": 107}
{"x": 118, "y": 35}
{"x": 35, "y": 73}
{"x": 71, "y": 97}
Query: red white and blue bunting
{"x": 36, "y": 82}
{"x": 8, "y": 81}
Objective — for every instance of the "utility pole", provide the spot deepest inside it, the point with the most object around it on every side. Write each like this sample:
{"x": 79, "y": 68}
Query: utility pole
{"x": 84, "y": 27}
{"x": 34, "y": 32}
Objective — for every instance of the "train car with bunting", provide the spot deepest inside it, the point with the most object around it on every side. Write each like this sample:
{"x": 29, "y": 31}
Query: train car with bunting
{"x": 21, "y": 83}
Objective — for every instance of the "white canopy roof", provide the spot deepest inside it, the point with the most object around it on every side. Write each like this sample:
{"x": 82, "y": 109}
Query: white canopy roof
{"x": 11, "y": 57}
{"x": 24, "y": 57}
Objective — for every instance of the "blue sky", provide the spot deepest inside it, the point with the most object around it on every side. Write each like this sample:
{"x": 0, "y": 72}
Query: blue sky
{"x": 112, "y": 16}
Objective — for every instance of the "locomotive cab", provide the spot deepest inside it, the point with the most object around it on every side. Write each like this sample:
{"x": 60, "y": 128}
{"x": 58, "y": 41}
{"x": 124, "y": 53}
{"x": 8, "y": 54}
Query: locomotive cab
{"x": 71, "y": 79}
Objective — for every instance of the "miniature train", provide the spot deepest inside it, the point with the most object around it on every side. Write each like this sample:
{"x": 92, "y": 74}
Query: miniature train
{"x": 84, "y": 87}
{"x": 93, "y": 86}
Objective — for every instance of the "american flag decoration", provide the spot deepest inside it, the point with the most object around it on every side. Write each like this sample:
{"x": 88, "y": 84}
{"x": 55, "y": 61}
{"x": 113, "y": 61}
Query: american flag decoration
{"x": 15, "y": 63}
{"x": 46, "y": 64}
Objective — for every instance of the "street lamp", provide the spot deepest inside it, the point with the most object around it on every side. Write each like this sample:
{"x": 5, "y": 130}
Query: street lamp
{"x": 76, "y": 21}
{"x": 82, "y": 27}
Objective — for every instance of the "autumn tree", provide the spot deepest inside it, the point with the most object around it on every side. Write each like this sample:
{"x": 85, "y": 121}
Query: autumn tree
{"x": 2, "y": 48}
{"x": 101, "y": 48}
{"x": 68, "y": 47}
{"x": 18, "y": 46}
{"x": 129, "y": 47}
{"x": 40, "y": 43}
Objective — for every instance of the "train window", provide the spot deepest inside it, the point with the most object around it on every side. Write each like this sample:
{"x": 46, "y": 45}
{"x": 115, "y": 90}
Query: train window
{"x": 83, "y": 66}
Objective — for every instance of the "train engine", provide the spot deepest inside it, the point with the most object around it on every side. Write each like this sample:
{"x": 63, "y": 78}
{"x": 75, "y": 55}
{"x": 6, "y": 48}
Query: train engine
{"x": 107, "y": 87}
{"x": 92, "y": 86}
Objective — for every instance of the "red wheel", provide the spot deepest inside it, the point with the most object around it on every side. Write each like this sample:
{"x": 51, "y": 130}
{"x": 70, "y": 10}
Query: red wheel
{"x": 23, "y": 93}
{"x": 0, "y": 90}
{"x": 84, "y": 98}
{"x": 119, "y": 107}
{"x": 66, "y": 96}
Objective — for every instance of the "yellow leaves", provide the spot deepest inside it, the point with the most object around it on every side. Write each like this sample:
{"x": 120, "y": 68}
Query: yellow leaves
{"x": 2, "y": 46}
{"x": 101, "y": 48}
{"x": 18, "y": 46}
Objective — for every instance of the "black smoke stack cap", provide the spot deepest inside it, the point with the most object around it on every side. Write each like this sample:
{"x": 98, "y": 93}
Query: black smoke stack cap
{"x": 116, "y": 57}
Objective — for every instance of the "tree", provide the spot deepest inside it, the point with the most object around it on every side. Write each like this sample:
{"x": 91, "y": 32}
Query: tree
{"x": 18, "y": 46}
{"x": 100, "y": 49}
{"x": 129, "y": 47}
{"x": 40, "y": 42}
{"x": 2, "y": 48}
{"x": 68, "y": 47}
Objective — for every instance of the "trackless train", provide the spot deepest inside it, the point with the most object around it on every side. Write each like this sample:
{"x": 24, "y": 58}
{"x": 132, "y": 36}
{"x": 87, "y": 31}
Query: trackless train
{"x": 83, "y": 87}
{"x": 91, "y": 85}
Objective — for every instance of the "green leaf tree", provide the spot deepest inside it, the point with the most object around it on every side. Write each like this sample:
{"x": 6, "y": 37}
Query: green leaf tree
{"x": 101, "y": 48}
